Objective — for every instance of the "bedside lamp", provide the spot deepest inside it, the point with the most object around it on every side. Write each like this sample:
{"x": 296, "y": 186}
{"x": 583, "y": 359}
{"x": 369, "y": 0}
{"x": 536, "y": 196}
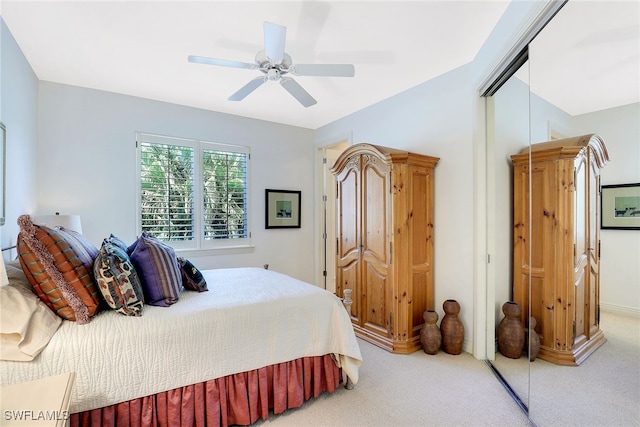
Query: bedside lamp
{"x": 72, "y": 222}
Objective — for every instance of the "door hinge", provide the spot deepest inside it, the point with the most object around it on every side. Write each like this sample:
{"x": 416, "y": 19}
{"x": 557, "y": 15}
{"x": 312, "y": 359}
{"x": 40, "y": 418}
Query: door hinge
{"x": 391, "y": 323}
{"x": 324, "y": 197}
{"x": 336, "y": 246}
{"x": 390, "y": 184}
{"x": 324, "y": 236}
{"x": 324, "y": 273}
{"x": 599, "y": 248}
{"x": 324, "y": 160}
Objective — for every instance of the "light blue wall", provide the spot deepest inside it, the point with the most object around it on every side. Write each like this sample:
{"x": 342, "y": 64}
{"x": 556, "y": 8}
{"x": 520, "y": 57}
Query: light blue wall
{"x": 18, "y": 112}
{"x": 434, "y": 118}
{"x": 87, "y": 158}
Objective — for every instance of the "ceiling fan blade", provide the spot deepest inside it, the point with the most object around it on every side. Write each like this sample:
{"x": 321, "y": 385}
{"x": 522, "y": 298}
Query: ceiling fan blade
{"x": 221, "y": 62}
{"x": 326, "y": 70}
{"x": 248, "y": 88}
{"x": 298, "y": 92}
{"x": 274, "y": 37}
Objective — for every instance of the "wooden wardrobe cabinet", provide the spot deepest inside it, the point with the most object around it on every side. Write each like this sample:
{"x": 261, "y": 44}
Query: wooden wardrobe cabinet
{"x": 385, "y": 242}
{"x": 557, "y": 261}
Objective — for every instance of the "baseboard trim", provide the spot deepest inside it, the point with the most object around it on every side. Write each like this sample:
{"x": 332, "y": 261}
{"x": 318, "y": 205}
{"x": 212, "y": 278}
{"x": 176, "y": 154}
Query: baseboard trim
{"x": 620, "y": 309}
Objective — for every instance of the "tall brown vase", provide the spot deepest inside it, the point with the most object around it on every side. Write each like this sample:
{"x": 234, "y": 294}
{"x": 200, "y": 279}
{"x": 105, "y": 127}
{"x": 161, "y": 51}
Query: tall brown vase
{"x": 511, "y": 331}
{"x": 430, "y": 336}
{"x": 452, "y": 328}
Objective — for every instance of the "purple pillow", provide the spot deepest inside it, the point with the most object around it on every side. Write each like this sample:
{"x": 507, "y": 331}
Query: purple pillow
{"x": 157, "y": 269}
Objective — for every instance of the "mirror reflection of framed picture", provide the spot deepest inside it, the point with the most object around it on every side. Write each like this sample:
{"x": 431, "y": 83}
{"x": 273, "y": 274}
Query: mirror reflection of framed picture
{"x": 620, "y": 206}
{"x": 3, "y": 167}
{"x": 282, "y": 209}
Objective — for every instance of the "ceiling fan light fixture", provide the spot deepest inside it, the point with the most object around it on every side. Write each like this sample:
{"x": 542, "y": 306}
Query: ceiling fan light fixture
{"x": 275, "y": 63}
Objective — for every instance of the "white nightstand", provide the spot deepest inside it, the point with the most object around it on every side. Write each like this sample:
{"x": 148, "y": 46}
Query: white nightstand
{"x": 43, "y": 402}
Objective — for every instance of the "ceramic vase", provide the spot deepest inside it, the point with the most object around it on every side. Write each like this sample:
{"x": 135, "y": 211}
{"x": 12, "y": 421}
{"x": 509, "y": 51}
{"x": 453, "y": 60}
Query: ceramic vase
{"x": 533, "y": 343}
{"x": 511, "y": 331}
{"x": 451, "y": 328}
{"x": 430, "y": 336}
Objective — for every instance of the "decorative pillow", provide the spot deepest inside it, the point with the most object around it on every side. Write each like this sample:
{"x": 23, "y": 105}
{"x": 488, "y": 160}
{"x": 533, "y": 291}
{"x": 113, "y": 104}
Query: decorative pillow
{"x": 26, "y": 323}
{"x": 157, "y": 269}
{"x": 118, "y": 280}
{"x": 192, "y": 278}
{"x": 59, "y": 265}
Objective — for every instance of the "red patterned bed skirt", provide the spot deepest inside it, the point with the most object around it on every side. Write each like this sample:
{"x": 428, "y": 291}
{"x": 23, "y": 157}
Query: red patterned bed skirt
{"x": 236, "y": 399}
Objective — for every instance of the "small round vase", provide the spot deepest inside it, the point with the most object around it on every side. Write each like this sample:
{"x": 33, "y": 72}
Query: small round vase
{"x": 430, "y": 336}
{"x": 451, "y": 328}
{"x": 533, "y": 344}
{"x": 511, "y": 331}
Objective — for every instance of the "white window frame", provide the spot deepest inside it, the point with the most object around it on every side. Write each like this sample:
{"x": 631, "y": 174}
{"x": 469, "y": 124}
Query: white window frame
{"x": 198, "y": 246}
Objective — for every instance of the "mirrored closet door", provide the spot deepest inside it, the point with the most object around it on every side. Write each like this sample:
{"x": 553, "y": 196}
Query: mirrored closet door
{"x": 577, "y": 68}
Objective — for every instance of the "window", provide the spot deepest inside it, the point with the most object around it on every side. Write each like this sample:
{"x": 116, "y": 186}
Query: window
{"x": 193, "y": 194}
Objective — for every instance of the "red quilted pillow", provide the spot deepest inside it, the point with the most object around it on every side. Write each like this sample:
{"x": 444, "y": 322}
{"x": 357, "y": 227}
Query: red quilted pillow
{"x": 59, "y": 265}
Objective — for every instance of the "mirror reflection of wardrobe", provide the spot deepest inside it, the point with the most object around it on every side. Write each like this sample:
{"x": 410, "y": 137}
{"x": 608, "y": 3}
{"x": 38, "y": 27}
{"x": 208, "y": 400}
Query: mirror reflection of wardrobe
{"x": 602, "y": 42}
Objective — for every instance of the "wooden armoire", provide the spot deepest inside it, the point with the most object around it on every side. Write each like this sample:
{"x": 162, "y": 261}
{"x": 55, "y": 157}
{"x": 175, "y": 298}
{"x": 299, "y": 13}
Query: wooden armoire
{"x": 556, "y": 257}
{"x": 385, "y": 242}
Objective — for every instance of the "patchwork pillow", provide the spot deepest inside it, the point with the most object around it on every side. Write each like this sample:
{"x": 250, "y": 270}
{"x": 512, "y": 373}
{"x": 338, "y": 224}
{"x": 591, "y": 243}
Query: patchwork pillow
{"x": 118, "y": 280}
{"x": 157, "y": 269}
{"x": 192, "y": 278}
{"x": 59, "y": 265}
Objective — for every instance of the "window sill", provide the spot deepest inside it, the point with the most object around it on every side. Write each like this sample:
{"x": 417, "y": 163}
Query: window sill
{"x": 223, "y": 250}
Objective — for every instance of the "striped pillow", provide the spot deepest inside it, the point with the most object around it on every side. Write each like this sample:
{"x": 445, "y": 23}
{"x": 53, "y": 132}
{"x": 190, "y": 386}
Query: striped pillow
{"x": 58, "y": 263}
{"x": 157, "y": 269}
{"x": 118, "y": 280}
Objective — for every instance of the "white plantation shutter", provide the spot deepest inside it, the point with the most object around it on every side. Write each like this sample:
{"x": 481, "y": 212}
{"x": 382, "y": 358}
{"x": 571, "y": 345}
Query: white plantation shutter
{"x": 224, "y": 181}
{"x": 193, "y": 194}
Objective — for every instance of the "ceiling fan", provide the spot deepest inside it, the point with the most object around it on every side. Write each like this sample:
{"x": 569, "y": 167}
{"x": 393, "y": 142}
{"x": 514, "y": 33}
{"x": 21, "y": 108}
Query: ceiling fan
{"x": 275, "y": 64}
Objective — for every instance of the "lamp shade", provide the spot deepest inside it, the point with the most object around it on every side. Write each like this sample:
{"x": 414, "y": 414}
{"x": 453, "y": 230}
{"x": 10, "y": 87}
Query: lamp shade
{"x": 72, "y": 222}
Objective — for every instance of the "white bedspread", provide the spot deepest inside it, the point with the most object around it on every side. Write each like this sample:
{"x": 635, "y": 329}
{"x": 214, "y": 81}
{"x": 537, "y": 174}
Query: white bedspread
{"x": 249, "y": 318}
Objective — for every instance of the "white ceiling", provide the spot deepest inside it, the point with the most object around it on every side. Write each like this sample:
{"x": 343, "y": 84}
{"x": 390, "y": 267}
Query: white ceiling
{"x": 140, "y": 48}
{"x": 588, "y": 57}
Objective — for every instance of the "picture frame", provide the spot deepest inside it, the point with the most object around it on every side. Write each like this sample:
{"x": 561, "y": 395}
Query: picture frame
{"x": 620, "y": 207}
{"x": 3, "y": 172}
{"x": 282, "y": 208}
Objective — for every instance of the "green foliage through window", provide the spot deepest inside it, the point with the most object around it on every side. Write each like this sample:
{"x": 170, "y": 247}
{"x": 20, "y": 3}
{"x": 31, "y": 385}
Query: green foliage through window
{"x": 169, "y": 188}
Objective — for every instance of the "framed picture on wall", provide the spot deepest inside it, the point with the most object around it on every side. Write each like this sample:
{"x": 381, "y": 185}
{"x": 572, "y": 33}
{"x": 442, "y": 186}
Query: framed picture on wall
{"x": 3, "y": 166}
{"x": 282, "y": 209}
{"x": 620, "y": 206}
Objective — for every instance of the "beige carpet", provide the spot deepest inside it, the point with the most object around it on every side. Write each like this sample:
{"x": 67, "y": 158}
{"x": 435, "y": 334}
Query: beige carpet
{"x": 445, "y": 390}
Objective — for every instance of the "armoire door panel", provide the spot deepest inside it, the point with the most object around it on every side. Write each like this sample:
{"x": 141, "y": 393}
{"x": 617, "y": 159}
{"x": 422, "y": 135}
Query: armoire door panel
{"x": 348, "y": 278}
{"x": 374, "y": 313}
{"x": 420, "y": 220}
{"x": 420, "y": 300}
{"x": 348, "y": 207}
{"x": 375, "y": 193}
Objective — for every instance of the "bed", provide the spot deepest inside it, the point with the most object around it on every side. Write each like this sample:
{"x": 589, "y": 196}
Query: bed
{"x": 258, "y": 342}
